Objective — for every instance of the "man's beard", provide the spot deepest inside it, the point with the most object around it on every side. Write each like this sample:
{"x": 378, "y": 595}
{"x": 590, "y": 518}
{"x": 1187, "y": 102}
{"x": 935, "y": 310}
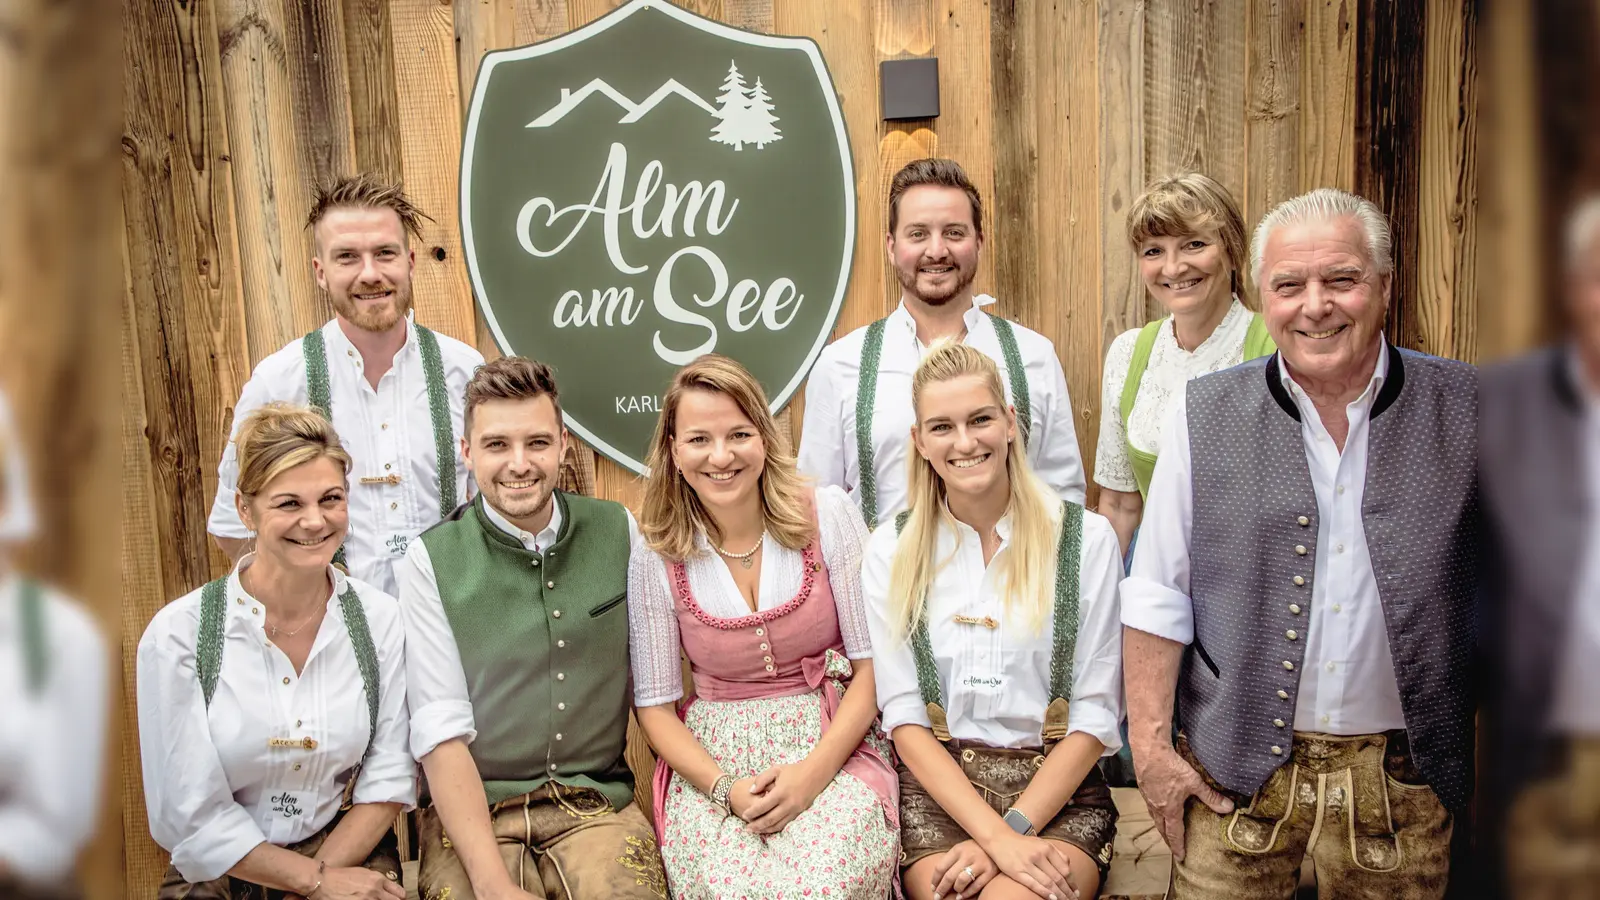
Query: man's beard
{"x": 962, "y": 281}
{"x": 379, "y": 319}
{"x": 523, "y": 507}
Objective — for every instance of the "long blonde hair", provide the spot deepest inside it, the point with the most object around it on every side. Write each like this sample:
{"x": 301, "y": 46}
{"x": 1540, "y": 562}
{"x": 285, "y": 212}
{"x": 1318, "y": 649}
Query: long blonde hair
{"x": 672, "y": 511}
{"x": 1029, "y": 560}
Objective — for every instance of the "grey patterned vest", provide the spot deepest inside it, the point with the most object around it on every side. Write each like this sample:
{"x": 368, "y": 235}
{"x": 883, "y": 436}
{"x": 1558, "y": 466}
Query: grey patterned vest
{"x": 1254, "y": 511}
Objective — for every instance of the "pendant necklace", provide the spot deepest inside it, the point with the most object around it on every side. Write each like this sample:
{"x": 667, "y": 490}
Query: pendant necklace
{"x": 745, "y": 557}
{"x": 275, "y": 632}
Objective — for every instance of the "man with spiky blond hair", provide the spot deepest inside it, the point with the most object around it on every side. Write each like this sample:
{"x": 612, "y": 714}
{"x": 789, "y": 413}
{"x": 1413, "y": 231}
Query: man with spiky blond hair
{"x": 393, "y": 389}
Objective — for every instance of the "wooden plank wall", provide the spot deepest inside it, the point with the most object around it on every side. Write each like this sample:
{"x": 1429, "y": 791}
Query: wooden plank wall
{"x": 1061, "y": 110}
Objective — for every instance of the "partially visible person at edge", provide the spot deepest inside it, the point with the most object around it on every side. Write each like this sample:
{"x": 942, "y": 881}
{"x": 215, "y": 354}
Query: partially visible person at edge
{"x": 54, "y": 692}
{"x": 392, "y": 388}
{"x": 858, "y": 398}
{"x": 272, "y": 712}
{"x": 520, "y": 709}
{"x": 1304, "y": 582}
{"x": 993, "y": 611}
{"x": 1189, "y": 240}
{"x": 1539, "y": 448}
{"x": 773, "y": 780}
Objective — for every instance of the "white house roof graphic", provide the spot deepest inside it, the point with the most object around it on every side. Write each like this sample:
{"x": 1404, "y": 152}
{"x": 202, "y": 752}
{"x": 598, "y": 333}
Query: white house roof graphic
{"x": 634, "y": 111}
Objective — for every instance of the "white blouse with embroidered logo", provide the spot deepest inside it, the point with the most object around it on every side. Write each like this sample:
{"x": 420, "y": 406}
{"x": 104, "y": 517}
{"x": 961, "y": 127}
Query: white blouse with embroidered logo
{"x": 214, "y": 786}
{"x": 653, "y": 625}
{"x": 997, "y": 681}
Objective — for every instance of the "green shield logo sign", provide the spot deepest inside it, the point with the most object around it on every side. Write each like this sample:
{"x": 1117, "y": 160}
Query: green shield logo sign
{"x": 649, "y": 188}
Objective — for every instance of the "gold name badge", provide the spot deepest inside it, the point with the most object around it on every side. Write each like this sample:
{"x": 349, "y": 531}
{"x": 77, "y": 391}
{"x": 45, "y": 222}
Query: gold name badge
{"x": 391, "y": 478}
{"x": 985, "y": 621}
{"x": 293, "y": 743}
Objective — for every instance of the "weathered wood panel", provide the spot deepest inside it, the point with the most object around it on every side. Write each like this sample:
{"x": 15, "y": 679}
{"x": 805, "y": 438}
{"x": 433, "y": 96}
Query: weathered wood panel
{"x": 1444, "y": 311}
{"x": 1272, "y": 132}
{"x": 1122, "y": 175}
{"x": 1328, "y": 101}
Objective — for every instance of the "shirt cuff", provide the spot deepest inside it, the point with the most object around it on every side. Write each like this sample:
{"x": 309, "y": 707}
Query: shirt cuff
{"x": 1097, "y": 722}
{"x": 1157, "y": 609}
{"x": 387, "y": 778}
{"x": 439, "y": 722}
{"x": 905, "y": 712}
{"x": 1112, "y": 482}
{"x": 658, "y": 700}
{"x": 33, "y": 850}
{"x": 214, "y": 847}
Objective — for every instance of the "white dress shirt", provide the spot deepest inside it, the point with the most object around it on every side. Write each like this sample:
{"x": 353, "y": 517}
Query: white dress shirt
{"x": 1169, "y": 368}
{"x": 997, "y": 681}
{"x": 17, "y": 519}
{"x": 1347, "y": 681}
{"x": 436, "y": 685}
{"x": 53, "y": 743}
{"x": 387, "y": 431}
{"x": 213, "y": 786}
{"x": 653, "y": 621}
{"x": 828, "y": 435}
{"x": 1576, "y": 709}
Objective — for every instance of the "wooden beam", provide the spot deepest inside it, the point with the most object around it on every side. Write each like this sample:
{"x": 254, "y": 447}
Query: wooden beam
{"x": 1444, "y": 306}
{"x": 1121, "y": 82}
{"x": 1328, "y": 94}
{"x": 1273, "y": 109}
{"x": 374, "y": 106}
{"x": 1015, "y": 238}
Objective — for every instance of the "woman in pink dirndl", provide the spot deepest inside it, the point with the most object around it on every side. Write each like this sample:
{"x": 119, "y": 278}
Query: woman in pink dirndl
{"x": 773, "y": 779}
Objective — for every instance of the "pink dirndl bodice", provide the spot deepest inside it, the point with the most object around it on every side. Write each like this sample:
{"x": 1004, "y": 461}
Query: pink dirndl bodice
{"x": 791, "y": 649}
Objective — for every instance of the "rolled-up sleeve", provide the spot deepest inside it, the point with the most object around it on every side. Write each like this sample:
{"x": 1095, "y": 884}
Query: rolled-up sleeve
{"x": 389, "y": 774}
{"x": 1155, "y": 595}
{"x": 653, "y": 642}
{"x": 1097, "y": 659}
{"x": 893, "y": 667}
{"x": 191, "y": 809}
{"x": 436, "y": 686}
{"x": 844, "y": 537}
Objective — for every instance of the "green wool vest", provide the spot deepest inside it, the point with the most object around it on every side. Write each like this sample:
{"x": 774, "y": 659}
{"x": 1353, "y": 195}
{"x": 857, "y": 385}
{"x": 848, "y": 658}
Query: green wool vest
{"x": 544, "y": 645}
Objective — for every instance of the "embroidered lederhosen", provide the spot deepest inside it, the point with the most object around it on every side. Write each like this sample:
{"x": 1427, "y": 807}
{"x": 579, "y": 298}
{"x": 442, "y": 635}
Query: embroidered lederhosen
{"x": 209, "y": 643}
{"x": 315, "y": 348}
{"x": 867, "y": 395}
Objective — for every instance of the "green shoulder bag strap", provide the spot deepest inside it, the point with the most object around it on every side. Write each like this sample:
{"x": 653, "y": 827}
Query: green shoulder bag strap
{"x": 867, "y": 395}
{"x": 1064, "y": 641}
{"x": 35, "y": 634}
{"x": 315, "y": 348}
{"x": 209, "y": 642}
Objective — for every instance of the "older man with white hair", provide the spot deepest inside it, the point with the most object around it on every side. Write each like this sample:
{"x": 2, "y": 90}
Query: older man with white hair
{"x": 1305, "y": 583}
{"x": 1539, "y": 440}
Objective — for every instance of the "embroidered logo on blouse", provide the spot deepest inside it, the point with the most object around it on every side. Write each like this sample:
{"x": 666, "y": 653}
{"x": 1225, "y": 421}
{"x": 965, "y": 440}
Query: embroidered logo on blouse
{"x": 975, "y": 681}
{"x": 287, "y": 804}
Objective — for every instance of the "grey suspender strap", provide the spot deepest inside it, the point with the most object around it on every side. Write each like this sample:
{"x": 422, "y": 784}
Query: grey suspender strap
{"x": 35, "y": 635}
{"x": 1064, "y": 642}
{"x": 867, "y": 396}
{"x": 213, "y": 623}
{"x": 315, "y": 348}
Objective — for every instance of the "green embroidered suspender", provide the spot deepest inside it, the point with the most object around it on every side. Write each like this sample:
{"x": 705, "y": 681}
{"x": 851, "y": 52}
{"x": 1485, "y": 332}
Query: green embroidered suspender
{"x": 315, "y": 348}
{"x": 867, "y": 395}
{"x": 1064, "y": 643}
{"x": 35, "y": 636}
{"x": 209, "y": 642}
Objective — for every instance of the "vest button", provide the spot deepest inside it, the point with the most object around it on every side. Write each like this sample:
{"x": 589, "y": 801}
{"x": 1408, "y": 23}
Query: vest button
{"x": 1290, "y": 634}
{"x": 1278, "y": 722}
{"x": 1283, "y": 695}
{"x": 561, "y": 706}
{"x": 561, "y": 644}
{"x": 1300, "y": 549}
{"x": 561, "y": 676}
{"x": 1288, "y": 665}
{"x": 1277, "y": 751}
{"x": 558, "y": 735}
{"x": 1299, "y": 581}
{"x": 769, "y": 667}
{"x": 1294, "y": 608}
{"x": 760, "y": 632}
{"x": 536, "y": 564}
{"x": 555, "y": 613}
{"x": 550, "y": 584}
{"x": 1304, "y": 521}
{"x": 764, "y": 647}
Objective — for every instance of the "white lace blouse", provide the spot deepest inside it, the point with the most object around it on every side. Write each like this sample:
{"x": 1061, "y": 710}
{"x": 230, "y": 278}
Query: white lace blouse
{"x": 653, "y": 624}
{"x": 1170, "y": 367}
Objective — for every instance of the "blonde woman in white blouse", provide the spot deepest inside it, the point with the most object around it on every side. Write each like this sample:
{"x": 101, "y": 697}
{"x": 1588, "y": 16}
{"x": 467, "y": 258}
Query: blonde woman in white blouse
{"x": 993, "y": 613}
{"x": 1189, "y": 238}
{"x": 272, "y": 719}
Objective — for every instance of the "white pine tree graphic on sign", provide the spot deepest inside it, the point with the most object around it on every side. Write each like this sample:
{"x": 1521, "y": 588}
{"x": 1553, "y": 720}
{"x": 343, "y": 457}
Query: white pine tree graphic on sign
{"x": 744, "y": 114}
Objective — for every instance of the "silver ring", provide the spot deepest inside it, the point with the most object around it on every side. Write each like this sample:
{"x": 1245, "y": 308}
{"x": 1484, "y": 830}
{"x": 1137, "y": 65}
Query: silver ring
{"x": 970, "y": 876}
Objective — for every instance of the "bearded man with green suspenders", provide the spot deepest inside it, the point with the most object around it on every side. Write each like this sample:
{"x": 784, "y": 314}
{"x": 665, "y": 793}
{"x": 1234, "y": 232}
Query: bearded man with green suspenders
{"x": 858, "y": 416}
{"x": 392, "y": 388}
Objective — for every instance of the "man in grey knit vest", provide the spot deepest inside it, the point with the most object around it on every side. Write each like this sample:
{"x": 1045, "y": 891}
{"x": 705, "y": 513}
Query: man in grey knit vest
{"x": 1304, "y": 582}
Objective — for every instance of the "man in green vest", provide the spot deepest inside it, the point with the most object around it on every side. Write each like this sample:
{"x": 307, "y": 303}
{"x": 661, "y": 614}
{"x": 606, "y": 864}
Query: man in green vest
{"x": 517, "y": 669}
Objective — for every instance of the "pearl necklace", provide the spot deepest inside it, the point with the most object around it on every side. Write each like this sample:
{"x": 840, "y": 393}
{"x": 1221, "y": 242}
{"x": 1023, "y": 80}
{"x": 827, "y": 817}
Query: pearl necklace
{"x": 745, "y": 557}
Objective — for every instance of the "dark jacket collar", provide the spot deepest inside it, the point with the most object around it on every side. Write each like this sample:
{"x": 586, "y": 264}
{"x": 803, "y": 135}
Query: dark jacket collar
{"x": 1388, "y": 393}
{"x": 497, "y": 533}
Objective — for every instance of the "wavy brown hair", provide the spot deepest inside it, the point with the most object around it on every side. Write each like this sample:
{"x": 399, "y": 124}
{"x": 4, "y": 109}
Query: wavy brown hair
{"x": 1189, "y": 203}
{"x": 278, "y": 437}
{"x": 672, "y": 511}
{"x": 367, "y": 191}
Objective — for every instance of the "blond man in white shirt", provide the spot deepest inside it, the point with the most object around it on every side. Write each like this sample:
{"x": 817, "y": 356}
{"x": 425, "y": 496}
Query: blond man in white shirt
{"x": 1305, "y": 580}
{"x": 395, "y": 388}
{"x": 993, "y": 611}
{"x": 54, "y": 680}
{"x": 858, "y": 399}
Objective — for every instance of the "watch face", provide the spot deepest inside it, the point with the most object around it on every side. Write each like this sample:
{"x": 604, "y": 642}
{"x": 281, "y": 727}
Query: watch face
{"x": 1018, "y": 822}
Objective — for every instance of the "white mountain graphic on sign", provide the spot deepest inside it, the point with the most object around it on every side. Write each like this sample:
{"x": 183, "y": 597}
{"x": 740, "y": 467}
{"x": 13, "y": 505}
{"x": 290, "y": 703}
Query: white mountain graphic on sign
{"x": 745, "y": 113}
{"x": 633, "y": 111}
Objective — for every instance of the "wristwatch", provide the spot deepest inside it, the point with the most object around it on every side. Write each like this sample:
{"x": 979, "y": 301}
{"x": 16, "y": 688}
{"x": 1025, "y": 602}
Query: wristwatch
{"x": 1018, "y": 822}
{"x": 720, "y": 789}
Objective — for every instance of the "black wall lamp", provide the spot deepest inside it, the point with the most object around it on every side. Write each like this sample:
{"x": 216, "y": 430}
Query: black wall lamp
{"x": 909, "y": 88}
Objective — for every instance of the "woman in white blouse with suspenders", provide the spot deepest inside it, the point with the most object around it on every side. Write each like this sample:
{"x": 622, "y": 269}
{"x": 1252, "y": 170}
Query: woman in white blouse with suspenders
{"x": 272, "y": 718}
{"x": 993, "y": 612}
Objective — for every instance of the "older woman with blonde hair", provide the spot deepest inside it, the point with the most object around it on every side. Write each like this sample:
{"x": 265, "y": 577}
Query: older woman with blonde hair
{"x": 1189, "y": 240}
{"x": 272, "y": 718}
{"x": 773, "y": 781}
{"x": 993, "y": 610}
